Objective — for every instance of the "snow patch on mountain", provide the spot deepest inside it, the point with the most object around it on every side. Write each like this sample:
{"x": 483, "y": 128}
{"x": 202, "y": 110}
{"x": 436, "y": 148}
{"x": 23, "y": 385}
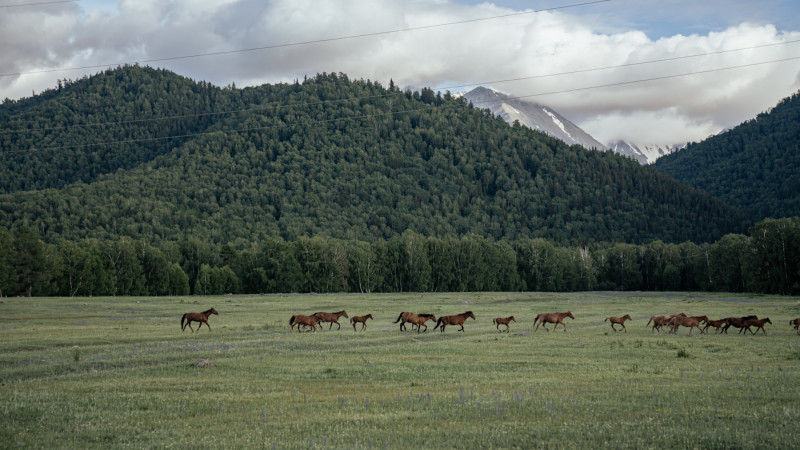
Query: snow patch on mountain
{"x": 532, "y": 115}
{"x": 644, "y": 154}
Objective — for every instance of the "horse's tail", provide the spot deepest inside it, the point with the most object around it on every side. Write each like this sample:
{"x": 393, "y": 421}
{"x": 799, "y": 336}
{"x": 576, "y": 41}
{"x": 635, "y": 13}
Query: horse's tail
{"x": 536, "y": 319}
{"x": 648, "y": 322}
{"x": 494, "y": 321}
{"x": 438, "y": 322}
{"x": 183, "y": 318}
{"x": 291, "y": 321}
{"x": 399, "y": 317}
{"x": 605, "y": 320}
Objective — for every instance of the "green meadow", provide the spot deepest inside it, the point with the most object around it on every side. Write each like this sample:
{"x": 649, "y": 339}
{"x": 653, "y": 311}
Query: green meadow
{"x": 119, "y": 372}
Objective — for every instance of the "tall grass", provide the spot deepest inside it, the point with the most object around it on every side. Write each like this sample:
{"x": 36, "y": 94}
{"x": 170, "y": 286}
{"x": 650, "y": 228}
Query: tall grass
{"x": 118, "y": 372}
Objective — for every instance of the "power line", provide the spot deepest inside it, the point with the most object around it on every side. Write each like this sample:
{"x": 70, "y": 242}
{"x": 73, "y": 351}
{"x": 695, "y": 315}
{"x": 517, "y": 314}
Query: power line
{"x": 295, "y": 44}
{"x": 447, "y": 88}
{"x": 37, "y": 4}
{"x": 389, "y": 113}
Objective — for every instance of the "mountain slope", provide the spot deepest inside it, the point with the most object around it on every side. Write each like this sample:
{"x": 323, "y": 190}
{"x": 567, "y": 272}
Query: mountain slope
{"x": 533, "y": 116}
{"x": 352, "y": 159}
{"x": 754, "y": 166}
{"x": 643, "y": 154}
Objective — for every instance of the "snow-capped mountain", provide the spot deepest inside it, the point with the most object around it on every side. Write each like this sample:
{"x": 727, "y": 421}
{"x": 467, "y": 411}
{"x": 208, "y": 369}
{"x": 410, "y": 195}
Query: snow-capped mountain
{"x": 533, "y": 116}
{"x": 644, "y": 154}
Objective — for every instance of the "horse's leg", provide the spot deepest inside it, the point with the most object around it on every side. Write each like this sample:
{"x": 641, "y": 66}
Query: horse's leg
{"x": 189, "y": 322}
{"x": 462, "y": 327}
{"x": 205, "y": 322}
{"x": 354, "y": 326}
{"x": 338, "y": 325}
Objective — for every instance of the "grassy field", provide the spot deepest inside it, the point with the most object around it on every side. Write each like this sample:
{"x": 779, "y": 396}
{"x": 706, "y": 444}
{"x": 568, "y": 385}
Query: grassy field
{"x": 118, "y": 372}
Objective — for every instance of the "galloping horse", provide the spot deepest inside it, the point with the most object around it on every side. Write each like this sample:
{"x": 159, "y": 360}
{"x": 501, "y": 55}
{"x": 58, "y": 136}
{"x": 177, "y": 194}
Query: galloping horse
{"x": 202, "y": 317}
{"x": 556, "y": 318}
{"x": 360, "y": 319}
{"x": 419, "y": 320}
{"x": 737, "y": 322}
{"x": 457, "y": 319}
{"x": 618, "y": 321}
{"x": 330, "y": 317}
{"x": 690, "y": 322}
{"x": 307, "y": 321}
{"x": 660, "y": 321}
{"x": 796, "y": 324}
{"x": 717, "y": 324}
{"x": 407, "y": 316}
{"x": 504, "y": 321}
{"x": 758, "y": 323}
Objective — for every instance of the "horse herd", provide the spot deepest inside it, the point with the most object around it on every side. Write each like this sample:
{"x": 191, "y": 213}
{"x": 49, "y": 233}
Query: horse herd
{"x": 419, "y": 320}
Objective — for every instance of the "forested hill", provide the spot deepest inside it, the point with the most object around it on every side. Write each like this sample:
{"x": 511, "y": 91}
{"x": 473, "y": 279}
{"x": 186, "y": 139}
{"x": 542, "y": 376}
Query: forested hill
{"x": 754, "y": 166}
{"x": 146, "y": 153}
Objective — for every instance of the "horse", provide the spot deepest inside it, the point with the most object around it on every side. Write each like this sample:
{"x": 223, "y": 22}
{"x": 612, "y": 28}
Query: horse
{"x": 660, "y": 321}
{"x": 202, "y": 317}
{"x": 737, "y": 322}
{"x": 330, "y": 317}
{"x": 716, "y": 324}
{"x": 457, "y": 319}
{"x": 406, "y": 316}
{"x": 504, "y": 321}
{"x": 419, "y": 320}
{"x": 758, "y": 323}
{"x": 307, "y": 321}
{"x": 360, "y": 319}
{"x": 690, "y": 322}
{"x": 618, "y": 321}
{"x": 556, "y": 318}
{"x": 796, "y": 324}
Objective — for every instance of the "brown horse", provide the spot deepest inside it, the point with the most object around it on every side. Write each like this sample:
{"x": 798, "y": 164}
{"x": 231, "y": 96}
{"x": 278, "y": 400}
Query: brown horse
{"x": 504, "y": 321}
{"x": 660, "y": 321}
{"x": 690, "y": 322}
{"x": 758, "y": 323}
{"x": 736, "y": 322}
{"x": 618, "y": 321}
{"x": 717, "y": 324}
{"x": 362, "y": 320}
{"x": 405, "y": 317}
{"x": 796, "y": 324}
{"x": 330, "y": 317}
{"x": 419, "y": 320}
{"x": 202, "y": 317}
{"x": 556, "y": 318}
{"x": 306, "y": 321}
{"x": 457, "y": 319}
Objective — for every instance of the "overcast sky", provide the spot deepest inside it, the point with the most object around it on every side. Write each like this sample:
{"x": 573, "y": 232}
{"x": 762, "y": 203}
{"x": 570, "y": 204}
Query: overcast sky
{"x": 562, "y": 53}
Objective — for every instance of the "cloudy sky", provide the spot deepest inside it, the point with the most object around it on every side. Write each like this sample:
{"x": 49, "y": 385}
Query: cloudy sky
{"x": 652, "y": 72}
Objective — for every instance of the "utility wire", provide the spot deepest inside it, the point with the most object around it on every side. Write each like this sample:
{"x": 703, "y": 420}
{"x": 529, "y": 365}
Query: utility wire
{"x": 447, "y": 88}
{"x": 295, "y": 44}
{"x": 37, "y": 4}
{"x": 390, "y": 113}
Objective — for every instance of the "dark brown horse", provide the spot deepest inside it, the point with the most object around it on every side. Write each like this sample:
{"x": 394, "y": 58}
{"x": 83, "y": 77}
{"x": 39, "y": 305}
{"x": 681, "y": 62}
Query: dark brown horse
{"x": 717, "y": 324}
{"x": 504, "y": 321}
{"x": 330, "y": 317}
{"x": 660, "y": 321}
{"x": 690, "y": 322}
{"x": 618, "y": 321}
{"x": 405, "y": 317}
{"x": 758, "y": 323}
{"x": 457, "y": 319}
{"x": 556, "y": 318}
{"x": 306, "y": 321}
{"x": 202, "y": 317}
{"x": 796, "y": 324}
{"x": 362, "y": 320}
{"x": 736, "y": 322}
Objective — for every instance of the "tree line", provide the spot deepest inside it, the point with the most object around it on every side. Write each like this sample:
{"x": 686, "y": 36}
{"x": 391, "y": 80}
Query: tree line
{"x": 767, "y": 260}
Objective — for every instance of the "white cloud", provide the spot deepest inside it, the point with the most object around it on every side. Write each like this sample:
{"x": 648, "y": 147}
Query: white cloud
{"x": 668, "y": 111}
